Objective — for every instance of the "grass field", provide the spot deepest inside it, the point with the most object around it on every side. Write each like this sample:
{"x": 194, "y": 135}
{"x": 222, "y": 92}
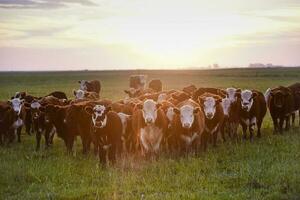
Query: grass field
{"x": 268, "y": 168}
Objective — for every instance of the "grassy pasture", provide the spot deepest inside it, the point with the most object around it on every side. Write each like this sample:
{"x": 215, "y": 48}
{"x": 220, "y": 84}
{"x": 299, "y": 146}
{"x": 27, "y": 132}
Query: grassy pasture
{"x": 268, "y": 168}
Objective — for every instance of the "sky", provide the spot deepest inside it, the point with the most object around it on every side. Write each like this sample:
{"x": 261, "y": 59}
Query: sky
{"x": 147, "y": 34}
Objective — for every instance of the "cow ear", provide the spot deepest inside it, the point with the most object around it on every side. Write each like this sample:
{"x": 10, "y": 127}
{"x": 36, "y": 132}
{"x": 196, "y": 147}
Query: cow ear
{"x": 74, "y": 92}
{"x": 254, "y": 95}
{"x": 158, "y": 105}
{"x": 79, "y": 81}
{"x": 27, "y": 105}
{"x": 196, "y": 110}
{"x": 89, "y": 110}
{"x": 238, "y": 95}
{"x": 218, "y": 100}
{"x": 176, "y": 110}
{"x": 238, "y": 90}
{"x": 127, "y": 91}
{"x": 42, "y": 108}
{"x": 139, "y": 106}
{"x": 201, "y": 100}
{"x": 108, "y": 108}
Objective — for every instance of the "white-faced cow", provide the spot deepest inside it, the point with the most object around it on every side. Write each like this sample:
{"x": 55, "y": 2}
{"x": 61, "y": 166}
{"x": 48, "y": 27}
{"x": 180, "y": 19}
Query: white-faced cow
{"x": 149, "y": 124}
{"x": 20, "y": 115}
{"x": 106, "y": 128}
{"x": 214, "y": 117}
{"x": 188, "y": 125}
{"x": 252, "y": 111}
{"x": 90, "y": 86}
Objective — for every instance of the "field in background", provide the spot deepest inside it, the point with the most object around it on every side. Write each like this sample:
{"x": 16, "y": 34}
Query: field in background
{"x": 268, "y": 168}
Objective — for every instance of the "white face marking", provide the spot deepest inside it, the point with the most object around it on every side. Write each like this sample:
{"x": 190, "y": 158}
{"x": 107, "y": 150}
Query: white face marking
{"x": 99, "y": 112}
{"x": 83, "y": 85}
{"x": 161, "y": 97}
{"x": 79, "y": 94}
{"x": 187, "y": 116}
{"x": 149, "y": 111}
{"x": 35, "y": 105}
{"x": 124, "y": 118}
{"x": 17, "y": 105}
{"x": 151, "y": 137}
{"x": 231, "y": 94}
{"x": 226, "y": 105}
{"x": 247, "y": 99}
{"x": 209, "y": 107}
{"x": 267, "y": 94}
{"x": 170, "y": 113}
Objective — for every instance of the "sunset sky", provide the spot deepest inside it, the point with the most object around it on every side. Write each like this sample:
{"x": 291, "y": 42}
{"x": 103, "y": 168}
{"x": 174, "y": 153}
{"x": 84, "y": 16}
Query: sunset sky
{"x": 131, "y": 34}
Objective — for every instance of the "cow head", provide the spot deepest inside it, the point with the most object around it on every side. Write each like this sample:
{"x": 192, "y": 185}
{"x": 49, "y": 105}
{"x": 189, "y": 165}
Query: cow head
{"x": 54, "y": 113}
{"x": 186, "y": 113}
{"x": 35, "y": 109}
{"x": 170, "y": 113}
{"x": 17, "y": 104}
{"x": 99, "y": 115}
{"x": 247, "y": 97}
{"x": 231, "y": 94}
{"x": 149, "y": 110}
{"x": 161, "y": 97}
{"x": 209, "y": 106}
{"x": 83, "y": 84}
{"x": 279, "y": 98}
{"x": 79, "y": 94}
{"x": 226, "y": 103}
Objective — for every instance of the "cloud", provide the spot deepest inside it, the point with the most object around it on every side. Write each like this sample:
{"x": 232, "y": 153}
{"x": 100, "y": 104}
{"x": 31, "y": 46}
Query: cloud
{"x": 42, "y": 4}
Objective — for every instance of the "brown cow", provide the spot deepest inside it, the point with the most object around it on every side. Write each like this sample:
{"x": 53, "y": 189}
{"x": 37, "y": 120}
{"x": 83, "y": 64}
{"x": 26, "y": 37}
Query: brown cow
{"x": 155, "y": 85}
{"x": 149, "y": 124}
{"x": 200, "y": 91}
{"x": 190, "y": 89}
{"x": 188, "y": 125}
{"x": 280, "y": 101}
{"x": 106, "y": 126}
{"x": 90, "y": 86}
{"x": 252, "y": 111}
{"x": 295, "y": 89}
{"x": 214, "y": 117}
{"x": 7, "y": 117}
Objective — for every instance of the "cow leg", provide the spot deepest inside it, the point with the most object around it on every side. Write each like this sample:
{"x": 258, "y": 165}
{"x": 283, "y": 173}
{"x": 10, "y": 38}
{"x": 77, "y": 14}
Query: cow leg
{"x": 259, "y": 123}
{"x": 293, "y": 118}
{"x": 222, "y": 130}
{"x": 275, "y": 124}
{"x": 204, "y": 139}
{"x": 244, "y": 126}
{"x": 19, "y": 130}
{"x": 287, "y": 122}
{"x": 38, "y": 140}
{"x": 102, "y": 155}
{"x": 112, "y": 151}
{"x": 70, "y": 143}
{"x": 281, "y": 120}
{"x": 214, "y": 138}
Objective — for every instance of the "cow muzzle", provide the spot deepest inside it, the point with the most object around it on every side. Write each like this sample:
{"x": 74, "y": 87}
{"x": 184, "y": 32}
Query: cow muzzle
{"x": 149, "y": 120}
{"x": 209, "y": 115}
{"x": 187, "y": 125}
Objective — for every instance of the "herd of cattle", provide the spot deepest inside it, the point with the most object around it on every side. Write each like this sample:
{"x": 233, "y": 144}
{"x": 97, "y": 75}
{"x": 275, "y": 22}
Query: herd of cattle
{"x": 149, "y": 120}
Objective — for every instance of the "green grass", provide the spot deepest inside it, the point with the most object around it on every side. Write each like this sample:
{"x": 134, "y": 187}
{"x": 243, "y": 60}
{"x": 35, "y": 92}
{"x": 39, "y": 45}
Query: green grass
{"x": 268, "y": 168}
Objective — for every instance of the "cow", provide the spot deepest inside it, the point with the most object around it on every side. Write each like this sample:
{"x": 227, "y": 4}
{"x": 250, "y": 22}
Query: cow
{"x": 137, "y": 81}
{"x": 231, "y": 117}
{"x": 178, "y": 97}
{"x": 214, "y": 117}
{"x": 58, "y": 94}
{"x": 127, "y": 132}
{"x": 252, "y": 111}
{"x": 200, "y": 91}
{"x": 7, "y": 117}
{"x": 280, "y": 102}
{"x": 155, "y": 85}
{"x": 132, "y": 92}
{"x": 295, "y": 89}
{"x": 81, "y": 94}
{"x": 188, "y": 123}
{"x": 149, "y": 124}
{"x": 190, "y": 89}
{"x": 40, "y": 125}
{"x": 106, "y": 126}
{"x": 90, "y": 86}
